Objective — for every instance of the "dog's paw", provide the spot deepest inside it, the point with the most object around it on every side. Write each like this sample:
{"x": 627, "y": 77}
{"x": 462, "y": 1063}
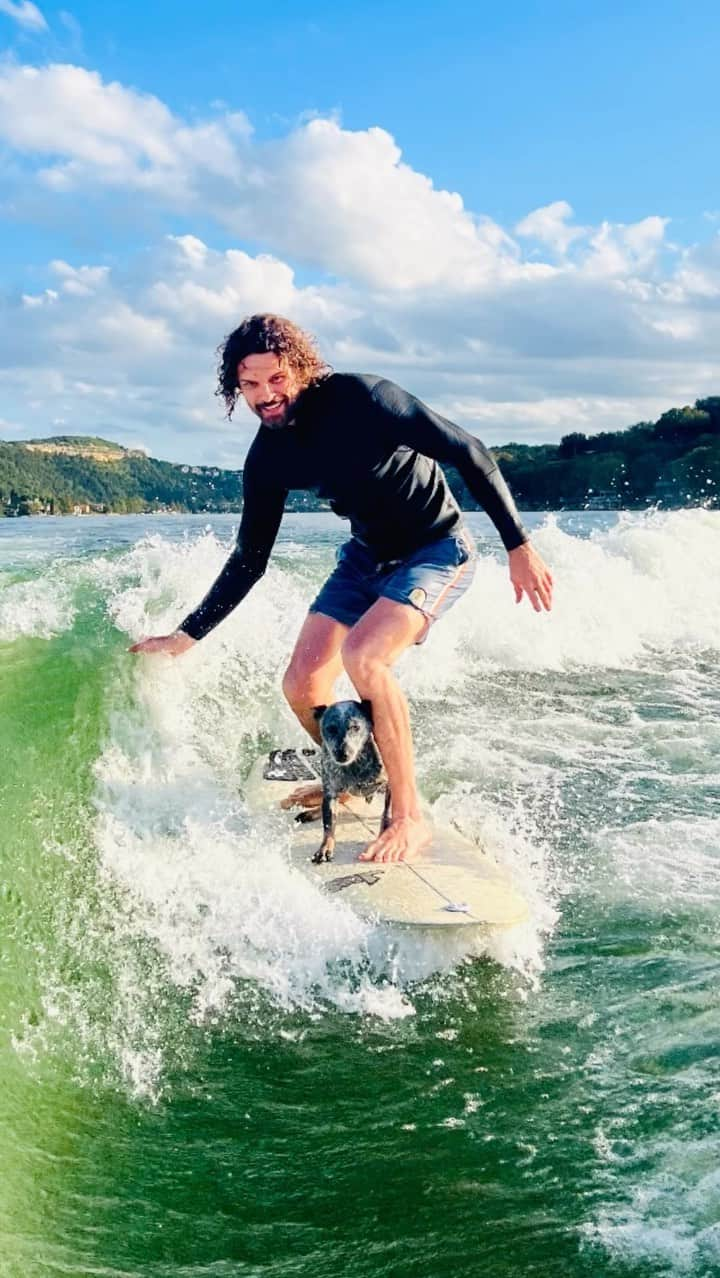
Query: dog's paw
{"x": 309, "y": 814}
{"x": 325, "y": 852}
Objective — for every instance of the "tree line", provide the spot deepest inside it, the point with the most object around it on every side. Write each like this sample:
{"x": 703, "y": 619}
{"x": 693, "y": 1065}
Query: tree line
{"x": 674, "y": 461}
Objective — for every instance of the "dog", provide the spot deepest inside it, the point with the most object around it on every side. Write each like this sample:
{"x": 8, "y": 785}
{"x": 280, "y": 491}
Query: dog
{"x": 349, "y": 763}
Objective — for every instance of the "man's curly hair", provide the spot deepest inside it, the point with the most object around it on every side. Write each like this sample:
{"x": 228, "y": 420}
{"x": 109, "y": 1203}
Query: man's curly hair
{"x": 262, "y": 334}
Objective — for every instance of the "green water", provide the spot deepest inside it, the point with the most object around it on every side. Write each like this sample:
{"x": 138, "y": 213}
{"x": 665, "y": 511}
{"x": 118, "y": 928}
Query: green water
{"x": 206, "y": 1073}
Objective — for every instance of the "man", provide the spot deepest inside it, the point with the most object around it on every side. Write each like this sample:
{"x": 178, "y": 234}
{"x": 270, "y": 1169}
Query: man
{"x": 373, "y": 450}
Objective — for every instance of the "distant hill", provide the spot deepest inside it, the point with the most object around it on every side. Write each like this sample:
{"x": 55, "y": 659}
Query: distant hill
{"x": 674, "y": 461}
{"x": 85, "y": 474}
{"x": 67, "y": 473}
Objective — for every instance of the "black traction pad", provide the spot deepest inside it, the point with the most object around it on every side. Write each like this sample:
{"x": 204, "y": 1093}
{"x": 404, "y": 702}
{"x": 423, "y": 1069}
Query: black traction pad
{"x": 290, "y": 765}
{"x": 347, "y": 880}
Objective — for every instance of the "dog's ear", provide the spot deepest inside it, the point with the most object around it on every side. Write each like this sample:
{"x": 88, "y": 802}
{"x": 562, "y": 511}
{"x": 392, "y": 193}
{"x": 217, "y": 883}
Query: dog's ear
{"x": 367, "y": 707}
{"x": 318, "y": 712}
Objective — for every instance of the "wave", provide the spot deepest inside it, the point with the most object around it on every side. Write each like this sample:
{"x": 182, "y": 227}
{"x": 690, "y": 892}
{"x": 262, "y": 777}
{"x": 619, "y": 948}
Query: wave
{"x": 205, "y": 882}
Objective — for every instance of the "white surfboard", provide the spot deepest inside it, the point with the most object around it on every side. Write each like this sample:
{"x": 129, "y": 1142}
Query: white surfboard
{"x": 453, "y": 884}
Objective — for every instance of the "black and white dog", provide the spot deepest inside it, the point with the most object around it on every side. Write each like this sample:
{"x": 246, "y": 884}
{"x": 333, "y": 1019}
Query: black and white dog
{"x": 350, "y": 763}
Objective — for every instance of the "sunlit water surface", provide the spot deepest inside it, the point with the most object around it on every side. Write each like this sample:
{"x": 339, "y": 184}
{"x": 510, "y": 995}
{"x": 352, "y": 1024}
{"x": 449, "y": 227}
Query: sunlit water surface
{"x": 209, "y": 1068}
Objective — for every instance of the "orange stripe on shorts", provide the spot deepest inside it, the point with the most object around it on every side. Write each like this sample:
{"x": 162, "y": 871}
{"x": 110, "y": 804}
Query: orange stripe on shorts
{"x": 449, "y": 586}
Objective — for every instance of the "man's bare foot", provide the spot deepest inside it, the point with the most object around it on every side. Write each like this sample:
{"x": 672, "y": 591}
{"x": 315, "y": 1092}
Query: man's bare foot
{"x": 403, "y": 840}
{"x": 309, "y": 795}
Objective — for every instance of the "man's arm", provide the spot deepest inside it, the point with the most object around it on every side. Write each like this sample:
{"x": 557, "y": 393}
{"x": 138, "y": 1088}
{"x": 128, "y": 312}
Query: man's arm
{"x": 414, "y": 424}
{"x": 262, "y": 513}
{"x": 411, "y": 422}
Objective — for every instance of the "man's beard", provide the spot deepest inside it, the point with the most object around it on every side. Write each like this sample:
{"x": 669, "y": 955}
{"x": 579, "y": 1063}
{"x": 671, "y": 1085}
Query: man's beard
{"x": 281, "y": 419}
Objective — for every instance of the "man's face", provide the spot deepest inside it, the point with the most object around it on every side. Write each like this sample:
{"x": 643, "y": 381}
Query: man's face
{"x": 269, "y": 387}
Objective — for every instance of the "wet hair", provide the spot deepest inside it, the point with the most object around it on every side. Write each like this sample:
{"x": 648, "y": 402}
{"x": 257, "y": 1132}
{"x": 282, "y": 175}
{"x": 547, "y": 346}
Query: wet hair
{"x": 267, "y": 334}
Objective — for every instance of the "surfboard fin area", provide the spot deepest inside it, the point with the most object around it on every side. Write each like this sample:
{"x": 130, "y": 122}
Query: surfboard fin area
{"x": 454, "y": 884}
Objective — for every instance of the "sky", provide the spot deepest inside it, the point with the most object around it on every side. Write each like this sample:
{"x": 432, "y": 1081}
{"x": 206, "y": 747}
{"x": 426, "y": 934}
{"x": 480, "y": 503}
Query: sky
{"x": 511, "y": 210}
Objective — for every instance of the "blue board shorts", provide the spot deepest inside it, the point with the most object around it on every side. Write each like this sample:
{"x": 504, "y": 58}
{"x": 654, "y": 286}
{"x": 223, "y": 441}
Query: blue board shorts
{"x": 430, "y": 579}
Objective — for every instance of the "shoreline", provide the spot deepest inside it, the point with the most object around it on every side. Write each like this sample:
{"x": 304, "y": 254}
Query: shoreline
{"x": 324, "y": 510}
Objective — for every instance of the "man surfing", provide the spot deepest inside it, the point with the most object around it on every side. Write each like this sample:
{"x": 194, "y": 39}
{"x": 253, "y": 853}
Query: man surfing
{"x": 372, "y": 450}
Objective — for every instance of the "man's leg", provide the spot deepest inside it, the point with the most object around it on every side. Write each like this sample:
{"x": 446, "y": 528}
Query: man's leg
{"x": 309, "y": 681}
{"x": 315, "y": 664}
{"x": 370, "y": 649}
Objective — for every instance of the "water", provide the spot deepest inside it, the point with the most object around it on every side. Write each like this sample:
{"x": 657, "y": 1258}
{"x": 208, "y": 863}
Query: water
{"x": 209, "y": 1069}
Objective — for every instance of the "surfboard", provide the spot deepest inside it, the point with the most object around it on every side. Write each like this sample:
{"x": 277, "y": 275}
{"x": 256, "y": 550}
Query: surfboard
{"x": 453, "y": 885}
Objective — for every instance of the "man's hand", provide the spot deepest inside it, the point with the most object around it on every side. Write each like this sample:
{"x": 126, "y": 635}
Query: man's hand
{"x": 172, "y": 645}
{"x": 531, "y": 576}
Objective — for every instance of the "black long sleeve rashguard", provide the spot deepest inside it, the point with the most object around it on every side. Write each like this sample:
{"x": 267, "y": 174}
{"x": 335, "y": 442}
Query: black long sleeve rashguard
{"x": 372, "y": 450}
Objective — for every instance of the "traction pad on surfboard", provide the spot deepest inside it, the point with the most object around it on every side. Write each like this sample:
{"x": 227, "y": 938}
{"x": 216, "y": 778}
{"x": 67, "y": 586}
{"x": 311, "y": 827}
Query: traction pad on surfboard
{"x": 290, "y": 765}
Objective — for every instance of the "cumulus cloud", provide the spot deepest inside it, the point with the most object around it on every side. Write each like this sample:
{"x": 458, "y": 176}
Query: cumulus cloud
{"x": 532, "y": 333}
{"x": 93, "y": 132}
{"x": 24, "y": 13}
{"x": 622, "y": 250}
{"x": 135, "y": 352}
{"x": 549, "y": 226}
{"x": 81, "y": 281}
{"x": 608, "y": 250}
{"x": 131, "y": 354}
{"x": 357, "y": 209}
{"x": 360, "y": 211}
{"x": 203, "y": 290}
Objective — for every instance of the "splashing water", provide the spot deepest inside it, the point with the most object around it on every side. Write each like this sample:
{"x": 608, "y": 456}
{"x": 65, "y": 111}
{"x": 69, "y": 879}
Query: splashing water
{"x": 580, "y": 748}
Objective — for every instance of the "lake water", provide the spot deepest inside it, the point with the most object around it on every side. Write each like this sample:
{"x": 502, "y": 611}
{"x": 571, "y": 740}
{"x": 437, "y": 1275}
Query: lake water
{"x": 209, "y": 1069}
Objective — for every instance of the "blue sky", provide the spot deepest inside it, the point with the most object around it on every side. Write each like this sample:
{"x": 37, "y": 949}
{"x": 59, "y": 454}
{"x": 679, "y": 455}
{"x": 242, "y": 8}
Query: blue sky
{"x": 513, "y": 210}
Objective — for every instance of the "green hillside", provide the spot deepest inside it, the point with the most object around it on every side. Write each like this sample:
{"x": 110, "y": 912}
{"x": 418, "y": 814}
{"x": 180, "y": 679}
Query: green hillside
{"x": 60, "y": 474}
{"x": 675, "y": 461}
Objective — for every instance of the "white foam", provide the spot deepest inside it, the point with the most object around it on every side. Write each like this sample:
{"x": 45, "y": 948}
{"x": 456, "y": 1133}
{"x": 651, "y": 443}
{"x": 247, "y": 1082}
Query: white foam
{"x": 29, "y": 610}
{"x": 661, "y": 864}
{"x": 671, "y": 1215}
{"x": 212, "y": 887}
{"x": 650, "y": 583}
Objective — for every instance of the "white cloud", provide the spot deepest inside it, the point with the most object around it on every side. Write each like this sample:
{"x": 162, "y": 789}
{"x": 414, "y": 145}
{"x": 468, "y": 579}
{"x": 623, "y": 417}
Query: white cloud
{"x": 202, "y": 290}
{"x": 549, "y": 225}
{"x": 24, "y": 13}
{"x": 96, "y": 132}
{"x": 684, "y": 328}
{"x": 408, "y": 282}
{"x": 146, "y": 334}
{"x": 132, "y": 354}
{"x": 540, "y": 419}
{"x": 80, "y": 281}
{"x": 612, "y": 250}
{"x": 46, "y": 298}
{"x": 622, "y": 250}
{"x": 357, "y": 209}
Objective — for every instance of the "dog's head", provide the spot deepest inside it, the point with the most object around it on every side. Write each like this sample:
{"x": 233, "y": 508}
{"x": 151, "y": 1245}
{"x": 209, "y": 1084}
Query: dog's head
{"x": 344, "y": 727}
